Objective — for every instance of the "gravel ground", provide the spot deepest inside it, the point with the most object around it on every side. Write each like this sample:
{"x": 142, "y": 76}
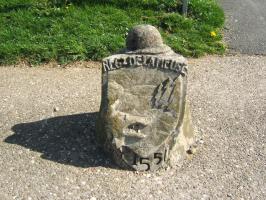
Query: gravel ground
{"x": 47, "y": 148}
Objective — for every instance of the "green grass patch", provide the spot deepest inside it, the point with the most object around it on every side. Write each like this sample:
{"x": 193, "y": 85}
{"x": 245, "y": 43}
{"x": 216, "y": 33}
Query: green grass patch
{"x": 63, "y": 30}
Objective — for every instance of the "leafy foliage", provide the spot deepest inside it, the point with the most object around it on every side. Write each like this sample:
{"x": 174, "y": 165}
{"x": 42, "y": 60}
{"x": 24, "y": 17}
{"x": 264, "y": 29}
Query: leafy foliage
{"x": 168, "y": 5}
{"x": 69, "y": 30}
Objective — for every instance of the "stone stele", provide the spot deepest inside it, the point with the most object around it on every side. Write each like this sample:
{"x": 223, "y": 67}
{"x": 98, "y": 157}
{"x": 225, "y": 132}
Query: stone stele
{"x": 144, "y": 120}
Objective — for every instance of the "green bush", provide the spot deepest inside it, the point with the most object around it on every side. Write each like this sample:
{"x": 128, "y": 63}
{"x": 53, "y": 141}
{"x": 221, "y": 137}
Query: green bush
{"x": 44, "y": 30}
{"x": 207, "y": 12}
{"x": 167, "y": 5}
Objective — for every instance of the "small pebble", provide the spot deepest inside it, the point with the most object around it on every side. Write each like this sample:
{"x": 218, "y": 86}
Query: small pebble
{"x": 56, "y": 109}
{"x": 148, "y": 175}
{"x": 229, "y": 195}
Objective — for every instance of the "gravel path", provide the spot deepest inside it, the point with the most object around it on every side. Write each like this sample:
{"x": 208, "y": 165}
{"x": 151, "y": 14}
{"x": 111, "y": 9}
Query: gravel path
{"x": 246, "y": 22}
{"x": 47, "y": 147}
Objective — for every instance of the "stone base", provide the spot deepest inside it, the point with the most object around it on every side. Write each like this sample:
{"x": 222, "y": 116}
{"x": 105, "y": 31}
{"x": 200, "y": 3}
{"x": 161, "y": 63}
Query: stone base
{"x": 144, "y": 120}
{"x": 171, "y": 157}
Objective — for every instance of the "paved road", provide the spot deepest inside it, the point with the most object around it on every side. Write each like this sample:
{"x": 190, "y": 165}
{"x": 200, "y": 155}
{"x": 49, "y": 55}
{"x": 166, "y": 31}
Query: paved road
{"x": 47, "y": 127}
{"x": 246, "y": 21}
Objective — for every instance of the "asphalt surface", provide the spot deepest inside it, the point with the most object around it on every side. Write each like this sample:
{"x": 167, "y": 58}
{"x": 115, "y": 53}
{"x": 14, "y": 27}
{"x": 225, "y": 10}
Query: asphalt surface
{"x": 245, "y": 25}
{"x": 47, "y": 136}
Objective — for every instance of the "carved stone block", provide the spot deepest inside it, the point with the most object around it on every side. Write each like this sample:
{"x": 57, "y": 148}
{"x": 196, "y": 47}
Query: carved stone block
{"x": 144, "y": 120}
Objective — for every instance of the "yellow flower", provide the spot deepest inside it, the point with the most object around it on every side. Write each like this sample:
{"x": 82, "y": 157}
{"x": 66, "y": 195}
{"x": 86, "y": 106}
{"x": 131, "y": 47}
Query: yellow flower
{"x": 213, "y": 34}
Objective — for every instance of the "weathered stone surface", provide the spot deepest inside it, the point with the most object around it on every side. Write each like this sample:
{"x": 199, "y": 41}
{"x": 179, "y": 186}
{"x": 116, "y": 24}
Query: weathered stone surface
{"x": 145, "y": 39}
{"x": 144, "y": 120}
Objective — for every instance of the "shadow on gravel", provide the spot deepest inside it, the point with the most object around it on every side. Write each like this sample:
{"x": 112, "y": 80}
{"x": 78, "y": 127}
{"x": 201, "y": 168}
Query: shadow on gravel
{"x": 67, "y": 140}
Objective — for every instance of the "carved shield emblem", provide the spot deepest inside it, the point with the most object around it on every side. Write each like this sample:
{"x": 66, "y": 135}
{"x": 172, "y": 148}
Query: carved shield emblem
{"x": 142, "y": 110}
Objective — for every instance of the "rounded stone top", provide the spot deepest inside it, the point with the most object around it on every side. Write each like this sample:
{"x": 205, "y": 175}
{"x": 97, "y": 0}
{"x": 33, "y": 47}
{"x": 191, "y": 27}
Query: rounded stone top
{"x": 145, "y": 39}
{"x": 143, "y": 36}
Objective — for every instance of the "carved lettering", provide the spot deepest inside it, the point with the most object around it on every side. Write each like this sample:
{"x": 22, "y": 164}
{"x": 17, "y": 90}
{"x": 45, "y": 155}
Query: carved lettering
{"x": 177, "y": 67}
{"x": 115, "y": 64}
{"x": 146, "y": 61}
{"x": 157, "y": 158}
{"x": 125, "y": 64}
{"x": 132, "y": 61}
{"x": 150, "y": 62}
{"x": 106, "y": 66}
{"x": 172, "y": 66}
{"x": 139, "y": 60}
{"x": 118, "y": 63}
{"x": 167, "y": 64}
{"x": 156, "y": 61}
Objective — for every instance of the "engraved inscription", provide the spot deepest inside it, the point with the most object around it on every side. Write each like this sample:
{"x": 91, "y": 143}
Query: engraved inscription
{"x": 146, "y": 163}
{"x": 157, "y": 159}
{"x": 145, "y": 61}
{"x": 144, "y": 121}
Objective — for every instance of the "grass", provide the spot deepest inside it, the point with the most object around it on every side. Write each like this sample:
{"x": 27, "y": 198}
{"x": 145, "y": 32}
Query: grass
{"x": 43, "y": 30}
